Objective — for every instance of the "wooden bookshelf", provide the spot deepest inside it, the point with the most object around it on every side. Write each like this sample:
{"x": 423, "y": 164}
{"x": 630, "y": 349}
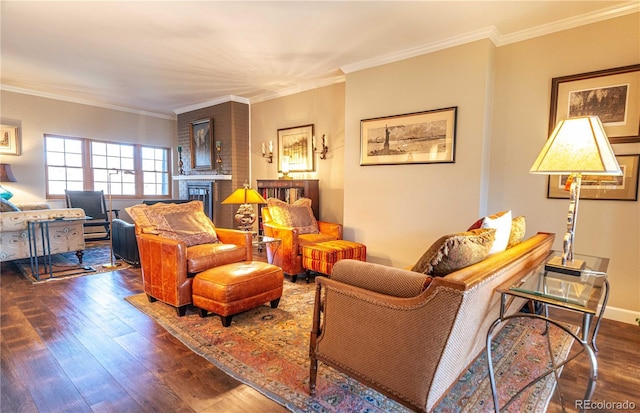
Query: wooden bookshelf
{"x": 289, "y": 190}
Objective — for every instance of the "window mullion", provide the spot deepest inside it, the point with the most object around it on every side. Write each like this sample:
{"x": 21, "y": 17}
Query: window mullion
{"x": 87, "y": 167}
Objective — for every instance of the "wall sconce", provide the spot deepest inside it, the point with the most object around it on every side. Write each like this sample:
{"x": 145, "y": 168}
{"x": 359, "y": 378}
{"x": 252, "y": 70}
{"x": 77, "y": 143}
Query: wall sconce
{"x": 219, "y": 159}
{"x": 324, "y": 150}
{"x": 268, "y": 156}
{"x": 180, "y": 163}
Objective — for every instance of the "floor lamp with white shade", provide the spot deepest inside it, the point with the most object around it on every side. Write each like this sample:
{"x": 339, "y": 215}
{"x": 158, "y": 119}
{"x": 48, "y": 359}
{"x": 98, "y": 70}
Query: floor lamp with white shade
{"x": 112, "y": 263}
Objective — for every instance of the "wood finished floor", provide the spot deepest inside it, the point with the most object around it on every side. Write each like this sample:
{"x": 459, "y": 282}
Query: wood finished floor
{"x": 76, "y": 346}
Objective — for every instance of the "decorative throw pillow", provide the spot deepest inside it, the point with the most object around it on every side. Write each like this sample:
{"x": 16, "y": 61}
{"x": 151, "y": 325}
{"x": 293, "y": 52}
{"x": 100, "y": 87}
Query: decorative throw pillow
{"x": 297, "y": 215}
{"x": 518, "y": 229}
{"x": 192, "y": 227}
{"x": 456, "y": 251}
{"x": 186, "y": 222}
{"x": 501, "y": 222}
{"x": 6, "y": 206}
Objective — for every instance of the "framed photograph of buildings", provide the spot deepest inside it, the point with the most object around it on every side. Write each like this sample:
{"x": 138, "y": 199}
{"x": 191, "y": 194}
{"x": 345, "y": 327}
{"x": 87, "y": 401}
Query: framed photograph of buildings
{"x": 9, "y": 139}
{"x": 618, "y": 188}
{"x": 423, "y": 137}
{"x": 295, "y": 149}
{"x": 612, "y": 94}
{"x": 201, "y": 141}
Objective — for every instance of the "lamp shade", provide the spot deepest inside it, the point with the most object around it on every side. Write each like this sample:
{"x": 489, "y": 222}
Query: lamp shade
{"x": 245, "y": 195}
{"x": 577, "y": 145}
{"x": 6, "y": 174}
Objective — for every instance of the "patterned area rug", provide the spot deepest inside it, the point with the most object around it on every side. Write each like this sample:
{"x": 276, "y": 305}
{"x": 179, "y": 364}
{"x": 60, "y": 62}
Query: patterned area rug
{"x": 268, "y": 349}
{"x": 66, "y": 265}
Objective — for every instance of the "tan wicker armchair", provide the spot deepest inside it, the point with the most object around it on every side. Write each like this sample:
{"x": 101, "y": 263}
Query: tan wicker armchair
{"x": 382, "y": 326}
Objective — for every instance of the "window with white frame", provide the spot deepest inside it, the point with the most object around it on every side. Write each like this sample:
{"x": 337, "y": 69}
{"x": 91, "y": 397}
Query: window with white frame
{"x": 121, "y": 169}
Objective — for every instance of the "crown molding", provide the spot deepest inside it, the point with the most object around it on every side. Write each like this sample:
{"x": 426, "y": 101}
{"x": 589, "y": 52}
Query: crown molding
{"x": 486, "y": 33}
{"x": 85, "y": 102}
{"x": 213, "y": 102}
{"x": 298, "y": 89}
{"x": 498, "y": 39}
{"x": 570, "y": 23}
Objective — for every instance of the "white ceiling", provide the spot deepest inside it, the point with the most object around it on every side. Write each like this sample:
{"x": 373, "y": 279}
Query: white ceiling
{"x": 167, "y": 57}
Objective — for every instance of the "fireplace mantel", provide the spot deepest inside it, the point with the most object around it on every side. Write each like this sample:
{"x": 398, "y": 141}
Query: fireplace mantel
{"x": 201, "y": 177}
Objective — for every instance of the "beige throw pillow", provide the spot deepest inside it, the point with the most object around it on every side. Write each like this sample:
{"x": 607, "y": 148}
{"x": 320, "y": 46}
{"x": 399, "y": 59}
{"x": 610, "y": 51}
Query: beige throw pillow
{"x": 518, "y": 230}
{"x": 298, "y": 215}
{"x": 456, "y": 251}
{"x": 185, "y": 222}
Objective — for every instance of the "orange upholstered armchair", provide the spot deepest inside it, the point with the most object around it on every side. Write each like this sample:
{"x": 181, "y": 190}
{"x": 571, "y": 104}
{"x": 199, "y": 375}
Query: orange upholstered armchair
{"x": 174, "y": 246}
{"x": 287, "y": 255}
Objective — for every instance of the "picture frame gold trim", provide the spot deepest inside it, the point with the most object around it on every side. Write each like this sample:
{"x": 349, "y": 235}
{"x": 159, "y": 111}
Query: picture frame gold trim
{"x": 201, "y": 144}
{"x": 599, "y": 93}
{"x": 412, "y": 138}
{"x": 612, "y": 188}
{"x": 10, "y": 140}
{"x": 297, "y": 144}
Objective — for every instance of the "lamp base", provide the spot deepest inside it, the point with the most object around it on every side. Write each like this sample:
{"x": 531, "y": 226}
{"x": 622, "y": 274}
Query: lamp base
{"x": 573, "y": 267}
{"x": 245, "y": 217}
{"x": 114, "y": 265}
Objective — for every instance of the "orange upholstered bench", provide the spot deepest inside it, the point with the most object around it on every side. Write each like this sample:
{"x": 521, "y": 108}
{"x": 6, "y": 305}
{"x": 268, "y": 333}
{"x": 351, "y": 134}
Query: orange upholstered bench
{"x": 322, "y": 256}
{"x": 233, "y": 288}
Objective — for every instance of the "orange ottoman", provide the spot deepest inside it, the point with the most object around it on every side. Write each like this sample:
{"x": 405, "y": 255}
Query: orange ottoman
{"x": 233, "y": 288}
{"x": 322, "y": 256}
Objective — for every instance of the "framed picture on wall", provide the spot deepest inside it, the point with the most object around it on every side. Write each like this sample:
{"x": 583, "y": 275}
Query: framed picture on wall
{"x": 423, "y": 137}
{"x": 9, "y": 139}
{"x": 617, "y": 188}
{"x": 201, "y": 141}
{"x": 613, "y": 95}
{"x": 295, "y": 149}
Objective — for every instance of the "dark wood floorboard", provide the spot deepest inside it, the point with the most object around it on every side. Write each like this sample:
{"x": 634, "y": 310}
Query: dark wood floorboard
{"x": 76, "y": 345}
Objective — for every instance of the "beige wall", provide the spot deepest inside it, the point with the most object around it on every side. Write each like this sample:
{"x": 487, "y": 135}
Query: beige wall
{"x": 399, "y": 210}
{"x": 322, "y": 107}
{"x": 503, "y": 98}
{"x": 40, "y": 115}
{"x": 520, "y": 126}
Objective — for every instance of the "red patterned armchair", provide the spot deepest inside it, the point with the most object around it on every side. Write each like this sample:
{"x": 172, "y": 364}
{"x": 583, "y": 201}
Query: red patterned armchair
{"x": 296, "y": 226}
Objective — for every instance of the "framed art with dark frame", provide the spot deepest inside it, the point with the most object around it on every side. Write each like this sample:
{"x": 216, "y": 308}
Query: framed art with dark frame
{"x": 421, "y": 137}
{"x": 611, "y": 94}
{"x": 617, "y": 188}
{"x": 9, "y": 138}
{"x": 201, "y": 141}
{"x": 295, "y": 149}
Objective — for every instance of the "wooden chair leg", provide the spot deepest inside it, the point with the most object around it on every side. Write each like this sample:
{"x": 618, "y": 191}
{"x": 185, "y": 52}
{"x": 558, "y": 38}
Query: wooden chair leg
{"x": 151, "y": 299}
{"x": 203, "y": 312}
{"x": 80, "y": 254}
{"x": 274, "y": 303}
{"x": 294, "y": 277}
{"x": 226, "y": 320}
{"x": 182, "y": 310}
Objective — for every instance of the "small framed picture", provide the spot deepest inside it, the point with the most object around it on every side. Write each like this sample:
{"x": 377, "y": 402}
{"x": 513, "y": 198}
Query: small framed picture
{"x": 615, "y": 188}
{"x": 295, "y": 149}
{"x": 423, "y": 137}
{"x": 612, "y": 94}
{"x": 9, "y": 139}
{"x": 201, "y": 139}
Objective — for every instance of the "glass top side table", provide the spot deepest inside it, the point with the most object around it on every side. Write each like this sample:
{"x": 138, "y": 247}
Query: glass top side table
{"x": 581, "y": 293}
{"x": 262, "y": 240}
